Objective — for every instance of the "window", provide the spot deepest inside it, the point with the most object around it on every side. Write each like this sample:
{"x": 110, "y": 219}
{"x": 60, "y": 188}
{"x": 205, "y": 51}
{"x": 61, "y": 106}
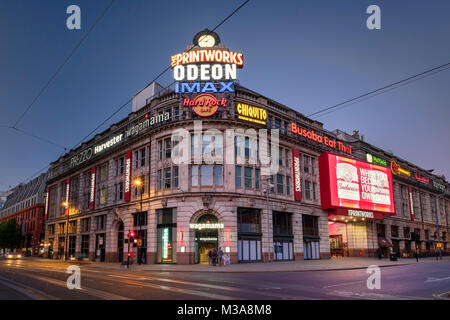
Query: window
{"x": 381, "y": 230}
{"x": 407, "y": 233}
{"x": 167, "y": 148}
{"x": 248, "y": 177}
{"x": 218, "y": 175}
{"x": 194, "y": 175}
{"x": 100, "y": 222}
{"x": 85, "y": 225}
{"x": 142, "y": 157}
{"x": 73, "y": 226}
{"x": 175, "y": 177}
{"x": 307, "y": 190}
{"x": 120, "y": 190}
{"x": 207, "y": 145}
{"x": 160, "y": 150}
{"x": 140, "y": 219}
{"x": 136, "y": 159}
{"x": 280, "y": 183}
{"x": 238, "y": 176}
{"x": 310, "y": 225}
{"x": 427, "y": 234}
{"x": 248, "y": 220}
{"x": 247, "y": 147}
{"x": 237, "y": 145}
{"x": 103, "y": 195}
{"x": 206, "y": 175}
{"x": 288, "y": 185}
{"x": 85, "y": 244}
{"x": 61, "y": 228}
{"x": 280, "y": 156}
{"x": 167, "y": 178}
{"x": 195, "y": 142}
{"x": 159, "y": 179}
{"x": 305, "y": 163}
{"x": 51, "y": 229}
{"x": 282, "y": 224}
{"x": 394, "y": 231}
{"x": 257, "y": 174}
{"x": 121, "y": 165}
{"x": 287, "y": 156}
{"x": 314, "y": 190}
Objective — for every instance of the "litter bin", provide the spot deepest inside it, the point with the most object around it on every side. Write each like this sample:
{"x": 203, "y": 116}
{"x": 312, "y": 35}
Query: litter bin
{"x": 393, "y": 256}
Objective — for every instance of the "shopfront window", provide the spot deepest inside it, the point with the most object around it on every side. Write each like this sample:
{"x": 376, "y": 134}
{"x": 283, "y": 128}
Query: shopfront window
{"x": 166, "y": 235}
{"x": 249, "y": 220}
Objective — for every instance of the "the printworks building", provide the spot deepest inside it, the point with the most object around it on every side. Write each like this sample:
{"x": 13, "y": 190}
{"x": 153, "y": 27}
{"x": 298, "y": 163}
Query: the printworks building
{"x": 188, "y": 170}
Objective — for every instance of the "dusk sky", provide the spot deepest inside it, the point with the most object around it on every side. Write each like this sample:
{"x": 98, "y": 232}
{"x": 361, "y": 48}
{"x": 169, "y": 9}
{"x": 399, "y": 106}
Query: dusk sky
{"x": 307, "y": 55}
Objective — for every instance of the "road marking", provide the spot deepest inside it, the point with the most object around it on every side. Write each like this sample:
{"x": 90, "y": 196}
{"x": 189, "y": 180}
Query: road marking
{"x": 344, "y": 284}
{"x": 436, "y": 279}
{"x": 32, "y": 293}
{"x": 374, "y": 296}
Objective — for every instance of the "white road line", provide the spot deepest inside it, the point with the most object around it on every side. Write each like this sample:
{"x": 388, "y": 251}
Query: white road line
{"x": 436, "y": 279}
{"x": 344, "y": 284}
{"x": 32, "y": 293}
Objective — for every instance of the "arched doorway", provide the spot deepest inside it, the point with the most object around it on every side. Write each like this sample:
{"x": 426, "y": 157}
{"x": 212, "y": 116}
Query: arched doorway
{"x": 120, "y": 235}
{"x": 206, "y": 237}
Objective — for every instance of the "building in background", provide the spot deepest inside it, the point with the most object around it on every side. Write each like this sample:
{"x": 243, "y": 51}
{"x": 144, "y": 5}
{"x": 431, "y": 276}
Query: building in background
{"x": 3, "y": 196}
{"x": 25, "y": 204}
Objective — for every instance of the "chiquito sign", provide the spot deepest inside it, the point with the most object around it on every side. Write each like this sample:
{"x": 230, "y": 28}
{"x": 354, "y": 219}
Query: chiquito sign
{"x": 205, "y": 73}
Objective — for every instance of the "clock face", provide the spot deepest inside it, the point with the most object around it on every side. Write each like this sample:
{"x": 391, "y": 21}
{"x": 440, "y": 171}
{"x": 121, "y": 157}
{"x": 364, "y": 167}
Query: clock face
{"x": 206, "y": 40}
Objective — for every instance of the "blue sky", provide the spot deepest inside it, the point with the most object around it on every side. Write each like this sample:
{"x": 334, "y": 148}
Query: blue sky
{"x": 305, "y": 54}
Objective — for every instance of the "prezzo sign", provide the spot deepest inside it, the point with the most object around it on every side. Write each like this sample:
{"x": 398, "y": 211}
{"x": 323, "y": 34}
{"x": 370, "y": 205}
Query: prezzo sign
{"x": 311, "y": 135}
{"x": 353, "y": 184}
{"x": 92, "y": 192}
{"x": 296, "y": 174}
{"x": 127, "y": 190}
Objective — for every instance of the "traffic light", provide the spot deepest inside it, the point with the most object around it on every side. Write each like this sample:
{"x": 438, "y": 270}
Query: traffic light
{"x": 131, "y": 234}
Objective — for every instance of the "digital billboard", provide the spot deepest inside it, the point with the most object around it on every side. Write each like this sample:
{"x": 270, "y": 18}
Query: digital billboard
{"x": 353, "y": 184}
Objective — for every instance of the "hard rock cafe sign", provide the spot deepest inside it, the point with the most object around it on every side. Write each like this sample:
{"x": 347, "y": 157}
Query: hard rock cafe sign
{"x": 205, "y": 104}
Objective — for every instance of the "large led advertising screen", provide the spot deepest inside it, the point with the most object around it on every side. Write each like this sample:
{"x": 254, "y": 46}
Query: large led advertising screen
{"x": 353, "y": 184}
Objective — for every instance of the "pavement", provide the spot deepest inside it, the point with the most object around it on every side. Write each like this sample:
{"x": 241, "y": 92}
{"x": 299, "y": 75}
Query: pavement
{"x": 333, "y": 264}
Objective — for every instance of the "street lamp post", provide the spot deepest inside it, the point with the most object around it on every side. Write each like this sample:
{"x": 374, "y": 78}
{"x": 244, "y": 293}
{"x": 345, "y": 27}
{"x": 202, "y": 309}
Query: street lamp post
{"x": 437, "y": 226}
{"x": 65, "y": 204}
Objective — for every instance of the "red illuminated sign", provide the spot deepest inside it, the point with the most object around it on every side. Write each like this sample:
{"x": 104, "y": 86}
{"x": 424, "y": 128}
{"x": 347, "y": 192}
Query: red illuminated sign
{"x": 47, "y": 201}
{"x": 92, "y": 193}
{"x": 311, "y": 135}
{"x": 296, "y": 175}
{"x": 421, "y": 179}
{"x": 127, "y": 192}
{"x": 205, "y": 104}
{"x": 411, "y": 203}
{"x": 353, "y": 184}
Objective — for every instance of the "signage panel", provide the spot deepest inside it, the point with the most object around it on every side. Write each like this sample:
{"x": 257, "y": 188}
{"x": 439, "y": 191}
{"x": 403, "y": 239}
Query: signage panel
{"x": 296, "y": 175}
{"x": 411, "y": 203}
{"x": 92, "y": 192}
{"x": 127, "y": 193}
{"x": 353, "y": 184}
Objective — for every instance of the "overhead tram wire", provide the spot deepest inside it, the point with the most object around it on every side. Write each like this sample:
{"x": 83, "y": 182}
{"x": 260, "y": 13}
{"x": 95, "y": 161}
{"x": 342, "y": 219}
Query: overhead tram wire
{"x": 384, "y": 89}
{"x": 129, "y": 100}
{"x": 74, "y": 50}
{"x": 157, "y": 77}
{"x": 38, "y": 138}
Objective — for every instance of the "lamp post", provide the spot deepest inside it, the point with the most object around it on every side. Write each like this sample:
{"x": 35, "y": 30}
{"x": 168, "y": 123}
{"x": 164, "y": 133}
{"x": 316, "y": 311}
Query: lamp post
{"x": 138, "y": 183}
{"x": 437, "y": 226}
{"x": 65, "y": 204}
{"x": 268, "y": 185}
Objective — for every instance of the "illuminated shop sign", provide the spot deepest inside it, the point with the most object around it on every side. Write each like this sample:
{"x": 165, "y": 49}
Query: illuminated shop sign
{"x": 197, "y": 87}
{"x": 148, "y": 122}
{"x": 205, "y": 72}
{"x": 92, "y": 193}
{"x": 47, "y": 201}
{"x": 208, "y": 55}
{"x": 399, "y": 171}
{"x": 200, "y": 226}
{"x": 374, "y": 159}
{"x": 296, "y": 174}
{"x": 439, "y": 186}
{"x": 127, "y": 190}
{"x": 205, "y": 105}
{"x": 421, "y": 179}
{"x": 411, "y": 204}
{"x": 360, "y": 214}
{"x": 81, "y": 157}
{"x": 311, "y": 135}
{"x": 66, "y": 211}
{"x": 251, "y": 113}
{"x": 165, "y": 243}
{"x": 108, "y": 144}
{"x": 353, "y": 184}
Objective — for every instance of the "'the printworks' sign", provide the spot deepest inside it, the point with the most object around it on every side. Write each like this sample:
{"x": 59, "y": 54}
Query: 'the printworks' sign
{"x": 296, "y": 174}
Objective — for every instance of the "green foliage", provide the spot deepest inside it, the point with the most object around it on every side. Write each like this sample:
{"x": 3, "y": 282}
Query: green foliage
{"x": 10, "y": 235}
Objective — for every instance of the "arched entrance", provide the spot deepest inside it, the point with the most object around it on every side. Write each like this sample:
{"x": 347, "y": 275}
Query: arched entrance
{"x": 120, "y": 237}
{"x": 206, "y": 237}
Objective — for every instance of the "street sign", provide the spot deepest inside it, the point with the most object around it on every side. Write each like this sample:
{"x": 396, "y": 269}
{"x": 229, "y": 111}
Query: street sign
{"x": 438, "y": 245}
{"x": 139, "y": 242}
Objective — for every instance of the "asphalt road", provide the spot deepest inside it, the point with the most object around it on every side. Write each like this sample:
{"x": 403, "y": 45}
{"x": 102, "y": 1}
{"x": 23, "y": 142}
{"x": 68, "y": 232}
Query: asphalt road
{"x": 30, "y": 279}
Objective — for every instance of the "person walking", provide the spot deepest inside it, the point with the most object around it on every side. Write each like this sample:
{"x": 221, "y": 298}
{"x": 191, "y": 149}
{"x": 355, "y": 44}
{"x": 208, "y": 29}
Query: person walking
{"x": 379, "y": 253}
{"x": 416, "y": 253}
{"x": 210, "y": 257}
{"x": 220, "y": 256}
{"x": 214, "y": 257}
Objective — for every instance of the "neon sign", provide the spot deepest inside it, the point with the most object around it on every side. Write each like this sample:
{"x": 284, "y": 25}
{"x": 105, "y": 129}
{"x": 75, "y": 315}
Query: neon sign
{"x": 200, "y": 226}
{"x": 205, "y": 105}
{"x": 311, "y": 135}
{"x": 421, "y": 179}
{"x": 165, "y": 243}
{"x": 374, "y": 159}
{"x": 210, "y": 55}
{"x": 251, "y": 113}
{"x": 197, "y": 87}
{"x": 397, "y": 170}
{"x": 205, "y": 72}
{"x": 296, "y": 173}
{"x": 128, "y": 176}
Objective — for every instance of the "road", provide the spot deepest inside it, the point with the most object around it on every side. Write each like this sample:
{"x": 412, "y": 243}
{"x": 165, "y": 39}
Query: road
{"x": 31, "y": 279}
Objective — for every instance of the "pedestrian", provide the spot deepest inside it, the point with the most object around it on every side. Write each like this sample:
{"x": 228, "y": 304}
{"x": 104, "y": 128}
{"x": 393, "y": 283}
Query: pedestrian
{"x": 214, "y": 257}
{"x": 210, "y": 257}
{"x": 417, "y": 252}
{"x": 219, "y": 256}
{"x": 379, "y": 253}
{"x": 226, "y": 259}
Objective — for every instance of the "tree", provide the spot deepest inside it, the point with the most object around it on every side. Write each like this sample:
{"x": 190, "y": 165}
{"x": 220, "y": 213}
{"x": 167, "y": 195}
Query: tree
{"x": 10, "y": 235}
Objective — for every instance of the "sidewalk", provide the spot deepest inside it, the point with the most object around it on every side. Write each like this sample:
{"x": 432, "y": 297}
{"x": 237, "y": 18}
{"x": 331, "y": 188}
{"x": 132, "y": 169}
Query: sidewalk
{"x": 333, "y": 264}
